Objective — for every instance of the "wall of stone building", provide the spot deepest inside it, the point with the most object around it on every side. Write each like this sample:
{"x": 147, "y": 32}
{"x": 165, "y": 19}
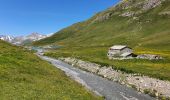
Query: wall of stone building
{"x": 127, "y": 50}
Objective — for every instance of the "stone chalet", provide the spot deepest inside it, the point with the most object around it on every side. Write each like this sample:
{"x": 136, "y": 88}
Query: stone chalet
{"x": 120, "y": 52}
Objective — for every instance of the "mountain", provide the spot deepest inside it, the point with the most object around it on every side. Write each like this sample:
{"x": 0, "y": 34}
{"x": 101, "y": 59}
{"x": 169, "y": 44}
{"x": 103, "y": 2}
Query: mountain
{"x": 6, "y": 38}
{"x": 35, "y": 36}
{"x": 137, "y": 23}
{"x": 143, "y": 25}
{"x": 23, "y": 75}
{"x": 23, "y": 40}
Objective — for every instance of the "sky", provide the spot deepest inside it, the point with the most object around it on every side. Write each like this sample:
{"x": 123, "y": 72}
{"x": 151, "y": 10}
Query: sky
{"x": 22, "y": 17}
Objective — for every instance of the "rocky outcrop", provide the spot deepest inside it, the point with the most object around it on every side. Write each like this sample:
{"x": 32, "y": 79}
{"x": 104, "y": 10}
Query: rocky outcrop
{"x": 164, "y": 13}
{"x": 149, "y": 56}
{"x": 152, "y": 86}
{"x": 128, "y": 14}
{"x": 143, "y": 4}
{"x": 128, "y": 8}
{"x": 149, "y": 4}
{"x": 103, "y": 17}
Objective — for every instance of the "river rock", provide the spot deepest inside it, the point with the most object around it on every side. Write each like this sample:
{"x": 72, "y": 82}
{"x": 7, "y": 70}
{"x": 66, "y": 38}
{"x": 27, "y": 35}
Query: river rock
{"x": 108, "y": 73}
{"x": 91, "y": 67}
{"x": 70, "y": 60}
{"x": 141, "y": 83}
{"x": 144, "y": 82}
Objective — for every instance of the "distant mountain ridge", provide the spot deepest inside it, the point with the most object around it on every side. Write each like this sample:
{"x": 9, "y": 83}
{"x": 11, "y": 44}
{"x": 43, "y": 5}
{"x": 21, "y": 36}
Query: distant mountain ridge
{"x": 6, "y": 38}
{"x": 21, "y": 40}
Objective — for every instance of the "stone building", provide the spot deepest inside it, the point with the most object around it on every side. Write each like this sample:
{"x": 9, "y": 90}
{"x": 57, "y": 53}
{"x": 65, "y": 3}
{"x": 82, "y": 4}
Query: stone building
{"x": 120, "y": 51}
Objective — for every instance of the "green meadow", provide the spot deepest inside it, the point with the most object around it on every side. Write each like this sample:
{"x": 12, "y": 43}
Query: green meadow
{"x": 24, "y": 76}
{"x": 154, "y": 68}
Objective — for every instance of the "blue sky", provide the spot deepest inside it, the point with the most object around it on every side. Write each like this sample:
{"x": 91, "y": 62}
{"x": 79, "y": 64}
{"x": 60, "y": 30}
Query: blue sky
{"x": 21, "y": 17}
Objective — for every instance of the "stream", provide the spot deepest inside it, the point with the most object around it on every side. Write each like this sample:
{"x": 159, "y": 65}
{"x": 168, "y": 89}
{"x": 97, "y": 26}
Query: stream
{"x": 101, "y": 86}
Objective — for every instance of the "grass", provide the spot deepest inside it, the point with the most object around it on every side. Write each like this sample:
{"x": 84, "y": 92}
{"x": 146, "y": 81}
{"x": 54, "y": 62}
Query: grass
{"x": 23, "y": 76}
{"x": 90, "y": 40}
{"x": 154, "y": 68}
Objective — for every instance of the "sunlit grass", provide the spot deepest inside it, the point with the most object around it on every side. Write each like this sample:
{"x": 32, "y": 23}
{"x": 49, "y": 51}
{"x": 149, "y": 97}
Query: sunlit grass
{"x": 154, "y": 68}
{"x": 23, "y": 76}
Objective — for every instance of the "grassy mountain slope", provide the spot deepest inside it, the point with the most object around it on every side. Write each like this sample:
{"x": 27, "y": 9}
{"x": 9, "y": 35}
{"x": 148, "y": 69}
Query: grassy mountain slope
{"x": 23, "y": 76}
{"x": 143, "y": 25}
{"x": 134, "y": 32}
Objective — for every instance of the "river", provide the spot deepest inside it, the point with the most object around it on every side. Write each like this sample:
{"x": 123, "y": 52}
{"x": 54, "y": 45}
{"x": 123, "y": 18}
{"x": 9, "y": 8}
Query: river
{"x": 101, "y": 86}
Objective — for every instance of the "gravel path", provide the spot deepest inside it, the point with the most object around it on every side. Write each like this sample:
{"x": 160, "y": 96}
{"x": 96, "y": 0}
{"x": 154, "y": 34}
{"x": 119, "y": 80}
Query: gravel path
{"x": 109, "y": 89}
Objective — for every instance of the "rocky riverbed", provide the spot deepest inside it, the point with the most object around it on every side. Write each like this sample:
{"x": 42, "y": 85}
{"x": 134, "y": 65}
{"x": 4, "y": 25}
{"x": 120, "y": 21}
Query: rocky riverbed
{"x": 108, "y": 89}
{"x": 154, "y": 87}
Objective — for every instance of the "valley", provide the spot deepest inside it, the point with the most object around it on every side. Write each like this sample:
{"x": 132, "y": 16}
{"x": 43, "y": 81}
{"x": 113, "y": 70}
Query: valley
{"x": 121, "y": 53}
{"x": 141, "y": 25}
{"x": 146, "y": 32}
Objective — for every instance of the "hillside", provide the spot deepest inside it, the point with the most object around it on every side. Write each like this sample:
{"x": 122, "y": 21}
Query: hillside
{"x": 125, "y": 23}
{"x": 143, "y": 25}
{"x": 23, "y": 76}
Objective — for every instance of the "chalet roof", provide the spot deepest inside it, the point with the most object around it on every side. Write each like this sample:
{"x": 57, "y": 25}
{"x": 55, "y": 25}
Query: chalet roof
{"x": 126, "y": 54}
{"x": 118, "y": 47}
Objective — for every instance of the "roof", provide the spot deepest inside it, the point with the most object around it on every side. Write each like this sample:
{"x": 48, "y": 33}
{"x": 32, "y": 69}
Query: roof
{"x": 118, "y": 47}
{"x": 126, "y": 54}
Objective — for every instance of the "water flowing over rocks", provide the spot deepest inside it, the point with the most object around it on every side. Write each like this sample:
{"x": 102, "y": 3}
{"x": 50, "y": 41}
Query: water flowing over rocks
{"x": 108, "y": 89}
{"x": 144, "y": 84}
